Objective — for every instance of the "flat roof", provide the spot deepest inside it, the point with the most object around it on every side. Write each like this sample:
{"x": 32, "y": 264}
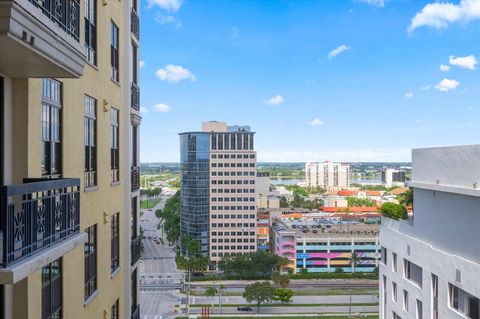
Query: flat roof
{"x": 327, "y": 228}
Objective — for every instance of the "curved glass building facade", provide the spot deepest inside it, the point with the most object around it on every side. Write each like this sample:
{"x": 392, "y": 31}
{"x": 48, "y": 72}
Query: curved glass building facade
{"x": 194, "y": 191}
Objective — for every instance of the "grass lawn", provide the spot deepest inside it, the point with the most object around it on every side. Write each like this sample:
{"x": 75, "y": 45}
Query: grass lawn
{"x": 295, "y": 305}
{"x": 147, "y": 204}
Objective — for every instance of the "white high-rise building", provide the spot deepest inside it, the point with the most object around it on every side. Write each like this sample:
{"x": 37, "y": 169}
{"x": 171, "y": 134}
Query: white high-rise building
{"x": 431, "y": 263}
{"x": 327, "y": 175}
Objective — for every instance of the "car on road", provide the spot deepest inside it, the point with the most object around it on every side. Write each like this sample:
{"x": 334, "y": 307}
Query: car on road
{"x": 244, "y": 308}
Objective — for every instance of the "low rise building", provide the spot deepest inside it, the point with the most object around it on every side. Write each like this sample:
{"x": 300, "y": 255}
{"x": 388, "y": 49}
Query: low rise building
{"x": 325, "y": 244}
{"x": 431, "y": 262}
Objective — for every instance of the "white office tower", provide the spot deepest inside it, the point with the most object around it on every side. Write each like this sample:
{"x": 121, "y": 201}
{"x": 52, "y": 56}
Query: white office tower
{"x": 431, "y": 263}
{"x": 327, "y": 175}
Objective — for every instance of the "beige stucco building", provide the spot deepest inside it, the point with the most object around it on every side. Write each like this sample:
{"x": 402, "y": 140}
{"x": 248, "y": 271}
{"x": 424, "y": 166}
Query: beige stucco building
{"x": 218, "y": 197}
{"x": 69, "y": 128}
{"x": 327, "y": 175}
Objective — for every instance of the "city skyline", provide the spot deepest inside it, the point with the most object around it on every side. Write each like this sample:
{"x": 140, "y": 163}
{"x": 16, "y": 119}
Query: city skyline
{"x": 276, "y": 66}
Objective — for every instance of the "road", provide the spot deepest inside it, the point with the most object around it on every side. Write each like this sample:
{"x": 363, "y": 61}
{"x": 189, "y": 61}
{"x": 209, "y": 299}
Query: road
{"x": 340, "y": 299}
{"x": 160, "y": 282}
{"x": 293, "y": 310}
{"x": 157, "y": 267}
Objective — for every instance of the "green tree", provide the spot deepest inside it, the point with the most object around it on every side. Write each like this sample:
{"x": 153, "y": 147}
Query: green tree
{"x": 265, "y": 262}
{"x": 281, "y": 280}
{"x": 406, "y": 199}
{"x": 170, "y": 216}
{"x": 211, "y": 292}
{"x": 221, "y": 290}
{"x": 360, "y": 202}
{"x": 283, "y": 202}
{"x": 283, "y": 295}
{"x": 304, "y": 271}
{"x": 259, "y": 292}
{"x": 394, "y": 211}
{"x": 284, "y": 281}
{"x": 339, "y": 270}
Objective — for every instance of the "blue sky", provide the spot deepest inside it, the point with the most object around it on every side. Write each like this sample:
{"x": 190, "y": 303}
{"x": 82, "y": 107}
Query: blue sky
{"x": 344, "y": 80}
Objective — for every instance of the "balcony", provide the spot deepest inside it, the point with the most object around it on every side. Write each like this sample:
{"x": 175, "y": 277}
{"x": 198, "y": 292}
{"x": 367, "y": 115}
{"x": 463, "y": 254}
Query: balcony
{"x": 42, "y": 37}
{"x": 136, "y": 312}
{"x": 136, "y": 249}
{"x": 135, "y": 97}
{"x": 135, "y": 178}
{"x": 135, "y": 23}
{"x": 40, "y": 222}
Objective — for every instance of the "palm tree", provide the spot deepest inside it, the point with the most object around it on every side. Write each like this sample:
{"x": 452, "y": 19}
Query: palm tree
{"x": 211, "y": 292}
{"x": 221, "y": 289}
{"x": 354, "y": 258}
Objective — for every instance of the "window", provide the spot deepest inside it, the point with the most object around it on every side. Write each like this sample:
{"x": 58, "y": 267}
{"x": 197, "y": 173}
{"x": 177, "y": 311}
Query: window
{"x": 384, "y": 297}
{"x": 383, "y": 252}
{"x": 114, "y": 145}
{"x": 419, "y": 312}
{"x": 434, "y": 297}
{"x": 133, "y": 290}
{"x": 405, "y": 300}
{"x": 133, "y": 217}
{"x": 114, "y": 46}
{"x": 134, "y": 64}
{"x": 115, "y": 241}
{"x": 115, "y": 313}
{"x": 51, "y": 161}
{"x": 52, "y": 290}
{"x": 412, "y": 272}
{"x": 135, "y": 147}
{"x": 91, "y": 261}
{"x": 463, "y": 302}
{"x": 394, "y": 262}
{"x": 394, "y": 291}
{"x": 90, "y": 141}
{"x": 91, "y": 30}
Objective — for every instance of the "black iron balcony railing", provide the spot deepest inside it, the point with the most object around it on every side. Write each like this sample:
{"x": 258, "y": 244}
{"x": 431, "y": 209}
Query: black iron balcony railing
{"x": 36, "y": 215}
{"x": 136, "y": 312}
{"x": 136, "y": 249}
{"x": 135, "y": 97}
{"x": 135, "y": 178}
{"x": 135, "y": 21}
{"x": 65, "y": 13}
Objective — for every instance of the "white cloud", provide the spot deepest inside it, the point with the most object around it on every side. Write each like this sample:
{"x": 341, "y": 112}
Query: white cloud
{"x": 444, "y": 68}
{"x": 169, "y": 5}
{"x": 408, "y": 95}
{"x": 466, "y": 62}
{"x": 275, "y": 100}
{"x": 142, "y": 64}
{"x": 425, "y": 88}
{"x": 439, "y": 15}
{"x": 175, "y": 73}
{"x": 315, "y": 122}
{"x": 168, "y": 19}
{"x": 447, "y": 85}
{"x": 162, "y": 107}
{"x": 374, "y": 3}
{"x": 337, "y": 51}
{"x": 143, "y": 109}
